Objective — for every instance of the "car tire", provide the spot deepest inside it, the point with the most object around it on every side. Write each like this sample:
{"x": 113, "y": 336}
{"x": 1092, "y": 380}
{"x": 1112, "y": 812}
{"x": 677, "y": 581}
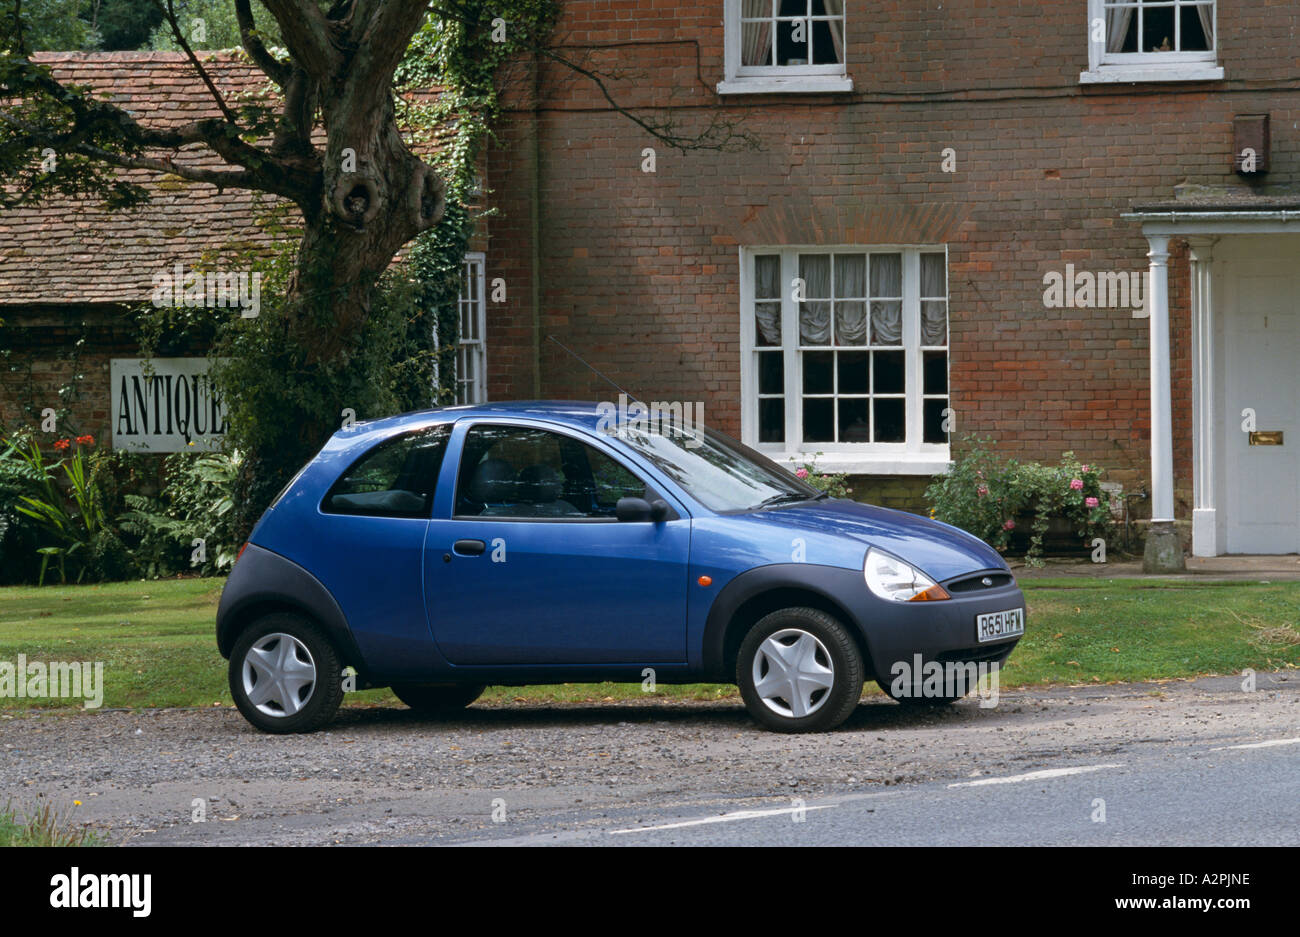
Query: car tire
{"x": 297, "y": 669}
{"x": 437, "y": 700}
{"x": 827, "y": 680}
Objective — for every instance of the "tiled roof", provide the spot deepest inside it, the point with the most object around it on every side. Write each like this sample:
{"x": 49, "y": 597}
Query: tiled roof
{"x": 74, "y": 251}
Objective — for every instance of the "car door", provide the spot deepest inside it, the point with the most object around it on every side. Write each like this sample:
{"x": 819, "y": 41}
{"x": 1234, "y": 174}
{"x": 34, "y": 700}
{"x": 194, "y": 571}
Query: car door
{"x": 367, "y": 544}
{"x": 529, "y": 565}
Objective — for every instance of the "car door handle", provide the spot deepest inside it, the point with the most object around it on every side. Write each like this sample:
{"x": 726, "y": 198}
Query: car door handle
{"x": 469, "y": 547}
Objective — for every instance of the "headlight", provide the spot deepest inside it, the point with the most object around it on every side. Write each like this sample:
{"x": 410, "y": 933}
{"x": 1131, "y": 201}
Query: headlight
{"x": 890, "y": 578}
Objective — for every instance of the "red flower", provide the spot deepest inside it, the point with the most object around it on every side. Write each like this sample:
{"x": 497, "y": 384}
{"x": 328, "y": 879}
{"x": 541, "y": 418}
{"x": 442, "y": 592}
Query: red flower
{"x": 87, "y": 440}
{"x": 61, "y": 444}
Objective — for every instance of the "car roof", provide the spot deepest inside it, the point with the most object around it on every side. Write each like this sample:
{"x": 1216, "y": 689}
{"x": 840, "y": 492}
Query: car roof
{"x": 579, "y": 413}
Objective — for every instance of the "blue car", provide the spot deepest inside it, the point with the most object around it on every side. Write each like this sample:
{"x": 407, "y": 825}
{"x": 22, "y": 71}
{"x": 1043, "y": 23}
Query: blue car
{"x": 444, "y": 551}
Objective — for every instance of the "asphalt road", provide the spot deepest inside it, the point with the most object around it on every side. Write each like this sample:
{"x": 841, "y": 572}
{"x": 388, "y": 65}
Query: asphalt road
{"x": 1198, "y": 762}
{"x": 1239, "y": 796}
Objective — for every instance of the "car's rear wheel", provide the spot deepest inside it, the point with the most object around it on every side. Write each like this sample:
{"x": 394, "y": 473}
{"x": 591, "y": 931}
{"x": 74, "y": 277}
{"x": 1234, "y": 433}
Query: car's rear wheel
{"x": 285, "y": 675}
{"x": 799, "y": 670}
{"x": 437, "y": 699}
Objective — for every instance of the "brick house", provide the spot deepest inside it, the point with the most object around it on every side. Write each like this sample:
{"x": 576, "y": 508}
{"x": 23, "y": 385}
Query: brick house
{"x": 1063, "y": 225}
{"x": 929, "y": 173}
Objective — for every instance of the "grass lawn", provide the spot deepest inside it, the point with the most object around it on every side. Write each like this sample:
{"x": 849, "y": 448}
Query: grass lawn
{"x": 156, "y": 638}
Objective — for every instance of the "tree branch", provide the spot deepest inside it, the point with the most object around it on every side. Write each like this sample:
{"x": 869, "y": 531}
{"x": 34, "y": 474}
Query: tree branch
{"x": 272, "y": 67}
{"x": 222, "y": 179}
{"x": 307, "y": 33}
{"x": 170, "y": 12}
{"x": 719, "y": 135}
{"x": 387, "y": 30}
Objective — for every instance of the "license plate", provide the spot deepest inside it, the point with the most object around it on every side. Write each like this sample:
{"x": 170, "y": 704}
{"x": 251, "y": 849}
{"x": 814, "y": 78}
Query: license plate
{"x": 998, "y": 625}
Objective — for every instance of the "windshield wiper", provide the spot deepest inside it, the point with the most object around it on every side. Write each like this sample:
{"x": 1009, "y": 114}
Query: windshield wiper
{"x": 781, "y": 499}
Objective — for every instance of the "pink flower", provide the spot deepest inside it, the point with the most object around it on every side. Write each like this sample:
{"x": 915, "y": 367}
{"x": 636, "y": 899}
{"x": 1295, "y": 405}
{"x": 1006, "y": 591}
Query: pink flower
{"x": 1085, "y": 468}
{"x": 981, "y": 490}
{"x": 1009, "y": 525}
{"x": 1091, "y": 502}
{"x": 801, "y": 473}
{"x": 1076, "y": 484}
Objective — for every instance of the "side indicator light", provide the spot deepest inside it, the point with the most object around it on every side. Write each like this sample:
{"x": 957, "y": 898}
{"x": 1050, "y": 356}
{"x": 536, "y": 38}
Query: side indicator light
{"x": 932, "y": 594}
{"x": 705, "y": 580}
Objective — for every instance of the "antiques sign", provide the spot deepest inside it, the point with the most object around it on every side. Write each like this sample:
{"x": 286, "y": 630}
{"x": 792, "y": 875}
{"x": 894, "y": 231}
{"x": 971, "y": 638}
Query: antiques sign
{"x": 165, "y": 405}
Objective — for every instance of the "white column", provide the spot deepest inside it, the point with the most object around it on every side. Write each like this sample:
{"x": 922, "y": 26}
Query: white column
{"x": 1162, "y": 432}
{"x": 1204, "y": 525}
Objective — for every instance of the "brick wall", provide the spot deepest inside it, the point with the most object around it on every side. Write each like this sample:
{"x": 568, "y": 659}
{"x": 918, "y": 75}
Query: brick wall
{"x": 44, "y": 350}
{"x": 638, "y": 272}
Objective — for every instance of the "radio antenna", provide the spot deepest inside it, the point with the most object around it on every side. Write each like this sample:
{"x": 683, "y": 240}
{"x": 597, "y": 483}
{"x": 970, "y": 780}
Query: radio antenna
{"x": 552, "y": 338}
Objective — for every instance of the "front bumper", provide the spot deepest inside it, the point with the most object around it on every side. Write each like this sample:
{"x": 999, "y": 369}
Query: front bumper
{"x": 897, "y": 632}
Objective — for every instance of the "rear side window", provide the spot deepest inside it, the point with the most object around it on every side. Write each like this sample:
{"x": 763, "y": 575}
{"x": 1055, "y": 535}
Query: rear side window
{"x": 395, "y": 479}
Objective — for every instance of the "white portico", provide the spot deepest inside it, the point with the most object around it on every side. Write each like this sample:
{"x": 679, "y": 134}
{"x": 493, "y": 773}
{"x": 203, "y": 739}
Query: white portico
{"x": 1245, "y": 345}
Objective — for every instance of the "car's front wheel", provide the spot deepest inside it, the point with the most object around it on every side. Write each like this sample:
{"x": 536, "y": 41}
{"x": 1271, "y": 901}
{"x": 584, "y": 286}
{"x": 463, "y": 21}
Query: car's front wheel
{"x": 285, "y": 675}
{"x": 799, "y": 670}
{"x": 437, "y": 700}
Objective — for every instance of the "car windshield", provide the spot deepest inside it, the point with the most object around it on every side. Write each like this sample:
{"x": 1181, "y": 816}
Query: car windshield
{"x": 716, "y": 470}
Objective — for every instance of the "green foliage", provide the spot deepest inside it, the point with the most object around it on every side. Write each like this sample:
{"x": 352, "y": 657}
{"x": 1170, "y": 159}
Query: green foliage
{"x": 195, "y": 505}
{"x": 42, "y": 827}
{"x": 219, "y": 30}
{"x": 72, "y": 516}
{"x": 835, "y": 485}
{"x": 125, "y": 24}
{"x": 984, "y": 495}
{"x": 54, "y": 25}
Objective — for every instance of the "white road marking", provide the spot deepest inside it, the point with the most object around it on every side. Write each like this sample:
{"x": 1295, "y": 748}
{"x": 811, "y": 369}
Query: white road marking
{"x": 1034, "y": 776}
{"x": 726, "y": 818}
{"x": 1269, "y": 744}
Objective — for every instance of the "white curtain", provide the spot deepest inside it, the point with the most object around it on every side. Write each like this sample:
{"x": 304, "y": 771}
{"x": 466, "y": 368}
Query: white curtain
{"x": 1206, "y": 13}
{"x": 934, "y": 322}
{"x": 934, "y": 311}
{"x": 815, "y": 314}
{"x": 767, "y": 286}
{"x": 887, "y": 315}
{"x": 836, "y": 8}
{"x": 850, "y": 309}
{"x": 756, "y": 44}
{"x": 1117, "y": 22}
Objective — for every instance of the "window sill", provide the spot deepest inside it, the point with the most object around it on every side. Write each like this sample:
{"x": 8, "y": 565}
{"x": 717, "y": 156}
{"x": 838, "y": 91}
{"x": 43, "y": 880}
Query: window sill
{"x": 852, "y": 463}
{"x": 795, "y": 84}
{"x": 1114, "y": 74}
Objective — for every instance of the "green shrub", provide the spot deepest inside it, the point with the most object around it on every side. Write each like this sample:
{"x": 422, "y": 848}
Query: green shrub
{"x": 984, "y": 495}
{"x": 63, "y": 500}
{"x": 834, "y": 485}
{"x": 189, "y": 526}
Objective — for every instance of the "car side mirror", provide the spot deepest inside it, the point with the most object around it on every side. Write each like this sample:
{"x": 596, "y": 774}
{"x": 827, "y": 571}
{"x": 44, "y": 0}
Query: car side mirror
{"x": 639, "y": 509}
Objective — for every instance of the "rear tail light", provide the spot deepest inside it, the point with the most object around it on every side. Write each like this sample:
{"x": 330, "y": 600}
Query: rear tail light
{"x": 241, "y": 552}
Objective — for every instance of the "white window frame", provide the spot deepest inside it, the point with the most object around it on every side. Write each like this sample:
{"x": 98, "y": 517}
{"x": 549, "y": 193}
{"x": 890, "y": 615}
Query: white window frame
{"x": 1108, "y": 67}
{"x": 912, "y": 457}
{"x": 776, "y": 79}
{"x": 475, "y": 263}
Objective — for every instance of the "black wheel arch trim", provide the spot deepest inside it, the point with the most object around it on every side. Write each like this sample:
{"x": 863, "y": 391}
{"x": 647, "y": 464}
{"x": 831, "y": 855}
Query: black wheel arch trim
{"x": 829, "y": 583}
{"x": 264, "y": 582}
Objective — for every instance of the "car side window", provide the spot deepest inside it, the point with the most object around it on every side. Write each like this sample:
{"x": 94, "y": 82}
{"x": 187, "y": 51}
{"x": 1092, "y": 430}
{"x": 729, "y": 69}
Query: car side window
{"x": 518, "y": 472}
{"x": 395, "y": 479}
